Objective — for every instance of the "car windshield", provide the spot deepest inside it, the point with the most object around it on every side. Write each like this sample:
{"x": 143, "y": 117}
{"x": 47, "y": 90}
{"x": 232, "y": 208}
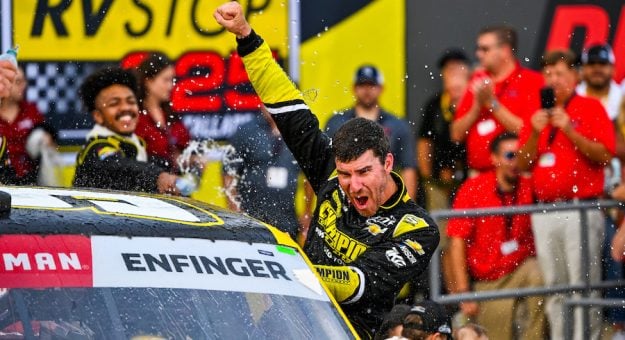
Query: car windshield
{"x": 112, "y": 287}
{"x": 154, "y": 313}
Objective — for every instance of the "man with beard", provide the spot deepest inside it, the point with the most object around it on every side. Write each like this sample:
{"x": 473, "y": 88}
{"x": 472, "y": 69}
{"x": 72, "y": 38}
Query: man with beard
{"x": 368, "y": 86}
{"x": 114, "y": 157}
{"x": 597, "y": 78}
{"x": 367, "y": 238}
{"x": 496, "y": 252}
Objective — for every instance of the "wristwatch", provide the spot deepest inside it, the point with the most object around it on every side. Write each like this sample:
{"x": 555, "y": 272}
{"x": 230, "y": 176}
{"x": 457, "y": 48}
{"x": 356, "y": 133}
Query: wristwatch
{"x": 494, "y": 105}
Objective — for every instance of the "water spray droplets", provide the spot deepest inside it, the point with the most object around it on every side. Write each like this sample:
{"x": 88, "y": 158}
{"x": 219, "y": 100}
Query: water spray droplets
{"x": 193, "y": 158}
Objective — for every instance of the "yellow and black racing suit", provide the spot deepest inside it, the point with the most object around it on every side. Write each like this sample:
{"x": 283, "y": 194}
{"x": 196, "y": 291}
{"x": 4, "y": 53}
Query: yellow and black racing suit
{"x": 364, "y": 261}
{"x": 109, "y": 162}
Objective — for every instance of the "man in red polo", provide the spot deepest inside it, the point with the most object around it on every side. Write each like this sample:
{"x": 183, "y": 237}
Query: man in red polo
{"x": 496, "y": 252}
{"x": 501, "y": 96}
{"x": 566, "y": 148}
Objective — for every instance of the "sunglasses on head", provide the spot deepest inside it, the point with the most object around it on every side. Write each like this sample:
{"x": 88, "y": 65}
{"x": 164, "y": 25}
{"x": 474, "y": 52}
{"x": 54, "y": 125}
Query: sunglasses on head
{"x": 509, "y": 155}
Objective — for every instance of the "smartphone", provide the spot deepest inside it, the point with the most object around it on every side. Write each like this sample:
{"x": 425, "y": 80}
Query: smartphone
{"x": 547, "y": 98}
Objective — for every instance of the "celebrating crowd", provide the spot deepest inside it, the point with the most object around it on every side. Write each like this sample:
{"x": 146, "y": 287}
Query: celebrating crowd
{"x": 496, "y": 135}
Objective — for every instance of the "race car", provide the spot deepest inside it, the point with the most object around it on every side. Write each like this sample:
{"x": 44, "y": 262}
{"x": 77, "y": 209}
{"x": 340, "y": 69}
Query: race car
{"x": 88, "y": 264}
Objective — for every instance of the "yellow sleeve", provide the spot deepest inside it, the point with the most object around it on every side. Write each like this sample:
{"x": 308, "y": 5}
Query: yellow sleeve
{"x": 345, "y": 283}
{"x": 269, "y": 80}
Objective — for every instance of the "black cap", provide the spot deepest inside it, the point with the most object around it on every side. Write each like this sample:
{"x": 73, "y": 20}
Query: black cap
{"x": 598, "y": 54}
{"x": 434, "y": 318}
{"x": 394, "y": 318}
{"x": 368, "y": 74}
{"x": 452, "y": 54}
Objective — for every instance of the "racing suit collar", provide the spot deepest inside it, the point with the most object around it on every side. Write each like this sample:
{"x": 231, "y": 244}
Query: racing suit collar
{"x": 99, "y": 131}
{"x": 400, "y": 195}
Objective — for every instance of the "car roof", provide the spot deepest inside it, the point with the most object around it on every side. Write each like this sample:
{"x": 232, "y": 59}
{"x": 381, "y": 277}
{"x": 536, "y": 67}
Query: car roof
{"x": 36, "y": 210}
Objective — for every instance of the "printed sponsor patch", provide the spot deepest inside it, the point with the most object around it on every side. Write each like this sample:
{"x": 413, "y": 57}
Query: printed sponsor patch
{"x": 343, "y": 246}
{"x": 375, "y": 229}
{"x": 338, "y": 275}
{"x": 416, "y": 246}
{"x": 409, "y": 223}
{"x": 33, "y": 261}
{"x": 393, "y": 256}
{"x": 198, "y": 264}
{"x": 386, "y": 221}
{"x": 406, "y": 251}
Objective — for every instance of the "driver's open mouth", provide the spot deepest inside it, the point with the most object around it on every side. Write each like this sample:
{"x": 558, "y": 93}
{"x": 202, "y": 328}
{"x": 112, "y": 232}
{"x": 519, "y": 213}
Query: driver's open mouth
{"x": 362, "y": 200}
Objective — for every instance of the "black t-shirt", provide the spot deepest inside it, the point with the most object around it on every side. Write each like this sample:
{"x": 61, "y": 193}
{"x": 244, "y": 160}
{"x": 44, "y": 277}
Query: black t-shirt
{"x": 446, "y": 154}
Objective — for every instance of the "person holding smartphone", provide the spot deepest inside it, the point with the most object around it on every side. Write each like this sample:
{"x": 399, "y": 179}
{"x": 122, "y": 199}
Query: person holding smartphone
{"x": 566, "y": 148}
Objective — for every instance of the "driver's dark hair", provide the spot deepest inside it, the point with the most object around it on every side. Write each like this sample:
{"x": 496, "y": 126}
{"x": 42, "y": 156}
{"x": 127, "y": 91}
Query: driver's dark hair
{"x": 357, "y": 136}
{"x": 101, "y": 79}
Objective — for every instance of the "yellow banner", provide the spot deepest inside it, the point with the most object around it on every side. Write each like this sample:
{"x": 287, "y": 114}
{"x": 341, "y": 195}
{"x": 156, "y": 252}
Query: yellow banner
{"x": 373, "y": 35}
{"x": 96, "y": 30}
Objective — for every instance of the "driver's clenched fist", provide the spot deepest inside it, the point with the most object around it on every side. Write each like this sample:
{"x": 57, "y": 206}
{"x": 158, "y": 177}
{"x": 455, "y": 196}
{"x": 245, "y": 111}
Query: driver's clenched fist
{"x": 230, "y": 16}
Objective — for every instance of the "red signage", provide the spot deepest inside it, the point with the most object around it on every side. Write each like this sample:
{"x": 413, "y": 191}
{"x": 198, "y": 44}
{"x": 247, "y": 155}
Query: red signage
{"x": 32, "y": 261}
{"x": 596, "y": 22}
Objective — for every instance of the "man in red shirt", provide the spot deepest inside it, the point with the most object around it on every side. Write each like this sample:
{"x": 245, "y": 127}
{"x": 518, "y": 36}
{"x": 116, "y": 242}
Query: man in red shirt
{"x": 566, "y": 148}
{"x": 501, "y": 96}
{"x": 496, "y": 252}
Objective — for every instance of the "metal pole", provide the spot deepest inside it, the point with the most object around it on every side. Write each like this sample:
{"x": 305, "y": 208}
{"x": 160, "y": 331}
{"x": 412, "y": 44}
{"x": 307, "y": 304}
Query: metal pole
{"x": 435, "y": 269}
{"x": 568, "y": 305}
{"x": 294, "y": 39}
{"x": 522, "y": 292}
{"x": 435, "y": 282}
{"x": 7, "y": 25}
{"x": 583, "y": 219}
{"x": 568, "y": 322}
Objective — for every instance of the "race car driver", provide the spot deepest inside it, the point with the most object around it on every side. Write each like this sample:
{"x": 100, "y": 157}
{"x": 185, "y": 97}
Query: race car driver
{"x": 367, "y": 237}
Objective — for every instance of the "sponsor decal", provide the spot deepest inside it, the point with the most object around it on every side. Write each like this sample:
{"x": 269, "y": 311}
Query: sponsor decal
{"x": 345, "y": 247}
{"x": 386, "y": 221}
{"x": 33, "y": 261}
{"x": 375, "y": 229}
{"x": 393, "y": 256}
{"x": 201, "y": 264}
{"x": 416, "y": 246}
{"x": 265, "y": 252}
{"x": 406, "y": 251}
{"x": 204, "y": 265}
{"x": 338, "y": 275}
{"x": 327, "y": 214}
{"x": 320, "y": 232}
{"x": 409, "y": 223}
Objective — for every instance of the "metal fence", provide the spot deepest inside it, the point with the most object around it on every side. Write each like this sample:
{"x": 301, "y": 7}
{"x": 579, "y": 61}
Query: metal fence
{"x": 584, "y": 289}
